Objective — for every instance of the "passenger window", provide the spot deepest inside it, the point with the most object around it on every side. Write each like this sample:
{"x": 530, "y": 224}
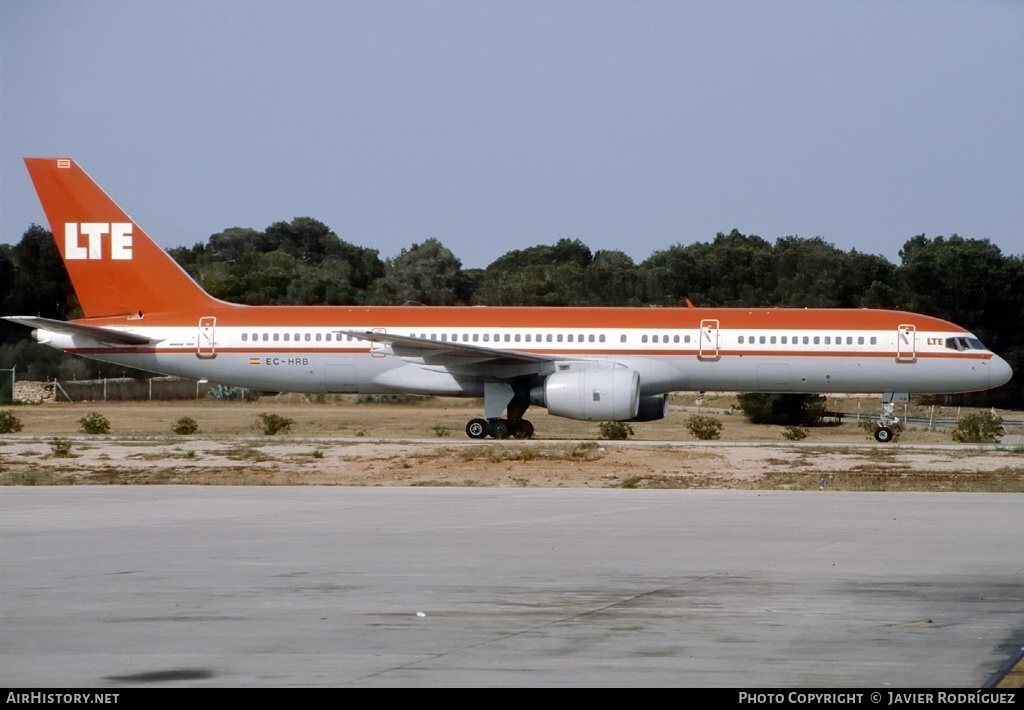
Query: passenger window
{"x": 643, "y": 339}
{"x": 622, "y": 338}
{"x": 741, "y": 340}
{"x": 277, "y": 336}
{"x": 245, "y": 337}
{"x": 772, "y": 340}
{"x": 601, "y": 338}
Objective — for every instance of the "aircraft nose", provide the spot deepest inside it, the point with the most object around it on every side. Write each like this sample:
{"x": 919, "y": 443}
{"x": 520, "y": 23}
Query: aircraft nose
{"x": 1000, "y": 371}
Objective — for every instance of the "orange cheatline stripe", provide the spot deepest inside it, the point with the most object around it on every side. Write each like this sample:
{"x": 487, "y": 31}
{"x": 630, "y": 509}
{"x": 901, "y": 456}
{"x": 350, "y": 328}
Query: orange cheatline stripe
{"x": 437, "y": 318}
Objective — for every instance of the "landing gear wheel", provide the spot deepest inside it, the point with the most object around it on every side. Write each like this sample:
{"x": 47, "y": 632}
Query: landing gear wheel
{"x": 522, "y": 429}
{"x": 499, "y": 428}
{"x": 883, "y": 434}
{"x": 476, "y": 429}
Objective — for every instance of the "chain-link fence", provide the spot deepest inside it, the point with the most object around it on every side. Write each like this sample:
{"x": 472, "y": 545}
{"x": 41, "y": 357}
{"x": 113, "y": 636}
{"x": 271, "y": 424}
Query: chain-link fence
{"x": 107, "y": 390}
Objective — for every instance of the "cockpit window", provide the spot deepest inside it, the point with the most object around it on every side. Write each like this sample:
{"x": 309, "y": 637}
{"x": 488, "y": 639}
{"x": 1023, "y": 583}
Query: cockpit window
{"x": 962, "y": 344}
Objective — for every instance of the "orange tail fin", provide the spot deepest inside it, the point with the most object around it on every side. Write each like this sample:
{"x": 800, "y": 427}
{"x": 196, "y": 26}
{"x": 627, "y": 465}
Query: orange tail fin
{"x": 116, "y": 269}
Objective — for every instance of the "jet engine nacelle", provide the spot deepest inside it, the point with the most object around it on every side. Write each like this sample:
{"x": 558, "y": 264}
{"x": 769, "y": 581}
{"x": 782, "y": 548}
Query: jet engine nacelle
{"x": 594, "y": 394}
{"x": 652, "y": 408}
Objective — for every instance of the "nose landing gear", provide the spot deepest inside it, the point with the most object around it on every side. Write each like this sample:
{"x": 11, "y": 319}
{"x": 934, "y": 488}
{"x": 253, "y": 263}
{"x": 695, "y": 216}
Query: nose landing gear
{"x": 889, "y": 425}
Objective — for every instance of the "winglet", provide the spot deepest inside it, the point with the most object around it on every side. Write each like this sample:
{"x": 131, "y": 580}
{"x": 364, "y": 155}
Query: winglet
{"x": 115, "y": 267}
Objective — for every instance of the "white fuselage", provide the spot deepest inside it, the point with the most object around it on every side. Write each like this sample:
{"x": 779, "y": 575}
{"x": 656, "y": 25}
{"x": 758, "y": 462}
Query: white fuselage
{"x": 326, "y": 359}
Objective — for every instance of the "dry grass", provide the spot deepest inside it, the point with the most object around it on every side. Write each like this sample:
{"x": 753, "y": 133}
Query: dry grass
{"x": 343, "y": 443}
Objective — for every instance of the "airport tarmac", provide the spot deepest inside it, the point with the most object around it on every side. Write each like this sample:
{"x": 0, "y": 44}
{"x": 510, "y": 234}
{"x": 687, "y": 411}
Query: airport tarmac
{"x": 117, "y": 586}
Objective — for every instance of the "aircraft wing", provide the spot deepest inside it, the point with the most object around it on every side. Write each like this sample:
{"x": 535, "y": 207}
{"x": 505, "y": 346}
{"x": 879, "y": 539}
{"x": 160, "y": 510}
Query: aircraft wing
{"x": 103, "y": 335}
{"x": 452, "y": 355}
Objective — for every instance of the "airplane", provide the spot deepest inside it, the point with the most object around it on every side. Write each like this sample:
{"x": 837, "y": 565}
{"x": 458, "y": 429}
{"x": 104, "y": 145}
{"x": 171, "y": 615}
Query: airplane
{"x": 141, "y": 309}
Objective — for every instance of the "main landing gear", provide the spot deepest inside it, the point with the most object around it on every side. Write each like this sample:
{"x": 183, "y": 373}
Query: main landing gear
{"x": 498, "y": 396}
{"x": 888, "y": 425}
{"x": 499, "y": 429}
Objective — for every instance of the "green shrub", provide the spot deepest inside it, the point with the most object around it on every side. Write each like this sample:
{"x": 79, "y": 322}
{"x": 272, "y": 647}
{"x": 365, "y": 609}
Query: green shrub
{"x": 704, "y": 427}
{"x": 791, "y": 409}
{"x": 61, "y": 448}
{"x": 9, "y": 423}
{"x": 794, "y": 433}
{"x": 232, "y": 394}
{"x": 978, "y": 428}
{"x": 441, "y": 430}
{"x": 94, "y": 423}
{"x": 615, "y": 430}
{"x": 185, "y": 426}
{"x": 272, "y": 424}
{"x": 317, "y": 453}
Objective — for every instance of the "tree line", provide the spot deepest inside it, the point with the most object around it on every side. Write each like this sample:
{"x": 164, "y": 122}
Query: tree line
{"x": 967, "y": 281}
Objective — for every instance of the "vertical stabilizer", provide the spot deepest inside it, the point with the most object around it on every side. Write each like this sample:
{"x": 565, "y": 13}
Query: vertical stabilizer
{"x": 116, "y": 269}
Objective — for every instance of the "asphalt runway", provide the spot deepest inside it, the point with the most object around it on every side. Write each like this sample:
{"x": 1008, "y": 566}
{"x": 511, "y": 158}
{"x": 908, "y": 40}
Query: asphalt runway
{"x": 111, "y": 586}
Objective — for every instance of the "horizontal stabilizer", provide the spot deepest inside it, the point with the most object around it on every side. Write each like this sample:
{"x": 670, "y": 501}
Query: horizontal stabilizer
{"x": 103, "y": 335}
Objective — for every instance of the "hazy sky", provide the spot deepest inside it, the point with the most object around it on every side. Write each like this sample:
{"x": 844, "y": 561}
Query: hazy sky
{"x": 501, "y": 125}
